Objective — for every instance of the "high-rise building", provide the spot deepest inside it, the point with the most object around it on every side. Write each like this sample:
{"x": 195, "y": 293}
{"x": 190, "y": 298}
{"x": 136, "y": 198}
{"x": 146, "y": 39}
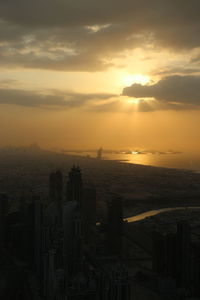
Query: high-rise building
{"x": 89, "y": 212}
{"x": 99, "y": 153}
{"x": 56, "y": 186}
{"x": 56, "y": 192}
{"x": 74, "y": 186}
{"x": 115, "y": 226}
{"x": 158, "y": 253}
{"x": 3, "y": 212}
{"x": 73, "y": 223}
{"x": 195, "y": 270}
{"x": 113, "y": 283}
{"x": 119, "y": 285}
{"x": 183, "y": 253}
{"x": 171, "y": 253}
{"x": 38, "y": 214}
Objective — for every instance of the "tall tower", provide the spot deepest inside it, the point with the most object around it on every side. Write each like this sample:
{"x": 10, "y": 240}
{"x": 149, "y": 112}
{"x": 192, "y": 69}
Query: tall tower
{"x": 56, "y": 186}
{"x": 56, "y": 192}
{"x": 171, "y": 255}
{"x": 88, "y": 212}
{"x": 3, "y": 211}
{"x": 99, "y": 153}
{"x": 74, "y": 186}
{"x": 52, "y": 179}
{"x": 158, "y": 253}
{"x": 115, "y": 226}
{"x": 183, "y": 241}
{"x": 59, "y": 186}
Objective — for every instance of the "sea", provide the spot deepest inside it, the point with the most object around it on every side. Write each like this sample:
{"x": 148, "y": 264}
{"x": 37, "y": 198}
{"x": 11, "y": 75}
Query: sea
{"x": 177, "y": 160}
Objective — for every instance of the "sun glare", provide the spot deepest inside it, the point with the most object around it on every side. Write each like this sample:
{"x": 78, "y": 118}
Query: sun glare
{"x": 130, "y": 79}
{"x": 134, "y": 101}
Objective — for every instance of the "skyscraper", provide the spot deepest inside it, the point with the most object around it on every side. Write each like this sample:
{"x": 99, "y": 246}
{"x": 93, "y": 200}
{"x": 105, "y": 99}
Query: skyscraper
{"x": 3, "y": 212}
{"x": 99, "y": 153}
{"x": 115, "y": 226}
{"x": 56, "y": 186}
{"x": 74, "y": 186}
{"x": 183, "y": 240}
{"x": 158, "y": 253}
{"x": 89, "y": 212}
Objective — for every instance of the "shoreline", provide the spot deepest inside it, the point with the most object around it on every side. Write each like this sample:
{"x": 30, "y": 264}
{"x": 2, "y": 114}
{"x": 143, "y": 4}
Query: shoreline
{"x": 128, "y": 161}
{"x": 142, "y": 187}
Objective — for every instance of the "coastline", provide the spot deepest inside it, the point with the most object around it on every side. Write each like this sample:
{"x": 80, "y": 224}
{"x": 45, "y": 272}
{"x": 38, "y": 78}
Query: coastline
{"x": 142, "y": 187}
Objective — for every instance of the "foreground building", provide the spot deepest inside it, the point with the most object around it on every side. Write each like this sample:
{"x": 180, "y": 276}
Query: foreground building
{"x": 71, "y": 268}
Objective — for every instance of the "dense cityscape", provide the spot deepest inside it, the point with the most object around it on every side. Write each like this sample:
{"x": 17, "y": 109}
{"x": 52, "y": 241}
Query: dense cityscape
{"x": 66, "y": 246}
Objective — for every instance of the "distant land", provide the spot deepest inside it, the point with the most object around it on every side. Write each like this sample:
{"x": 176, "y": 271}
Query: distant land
{"x": 25, "y": 171}
{"x": 122, "y": 151}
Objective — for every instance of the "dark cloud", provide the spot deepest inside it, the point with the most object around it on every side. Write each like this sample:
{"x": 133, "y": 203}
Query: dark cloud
{"x": 53, "y": 61}
{"x": 176, "y": 71}
{"x": 39, "y": 13}
{"x": 196, "y": 59}
{"x": 170, "y": 93}
{"x": 94, "y": 102}
{"x": 179, "y": 89}
{"x": 8, "y": 82}
{"x": 86, "y": 35}
{"x": 72, "y": 13}
{"x": 51, "y": 99}
{"x": 66, "y": 49}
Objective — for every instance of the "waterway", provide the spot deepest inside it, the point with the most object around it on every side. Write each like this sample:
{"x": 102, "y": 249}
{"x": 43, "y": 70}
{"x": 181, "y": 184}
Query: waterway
{"x": 189, "y": 161}
{"x": 151, "y": 213}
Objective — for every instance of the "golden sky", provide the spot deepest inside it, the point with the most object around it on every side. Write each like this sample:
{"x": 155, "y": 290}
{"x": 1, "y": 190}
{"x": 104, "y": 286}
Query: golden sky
{"x": 84, "y": 74}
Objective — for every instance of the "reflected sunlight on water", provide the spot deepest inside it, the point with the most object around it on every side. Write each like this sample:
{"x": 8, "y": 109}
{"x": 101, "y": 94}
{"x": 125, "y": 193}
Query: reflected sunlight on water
{"x": 151, "y": 213}
{"x": 180, "y": 160}
{"x": 168, "y": 160}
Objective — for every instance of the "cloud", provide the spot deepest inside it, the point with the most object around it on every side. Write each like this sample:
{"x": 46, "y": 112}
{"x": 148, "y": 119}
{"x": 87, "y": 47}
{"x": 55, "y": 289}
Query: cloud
{"x": 166, "y": 71}
{"x": 57, "y": 62}
{"x": 87, "y": 35}
{"x": 93, "y": 102}
{"x": 8, "y": 82}
{"x": 171, "y": 89}
{"x": 51, "y": 99}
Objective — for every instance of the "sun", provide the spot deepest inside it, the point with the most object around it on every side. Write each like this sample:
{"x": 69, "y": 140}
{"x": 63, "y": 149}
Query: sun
{"x": 134, "y": 101}
{"x": 130, "y": 79}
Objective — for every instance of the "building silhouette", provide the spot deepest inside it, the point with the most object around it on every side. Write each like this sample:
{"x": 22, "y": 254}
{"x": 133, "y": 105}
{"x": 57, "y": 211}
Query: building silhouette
{"x": 74, "y": 186}
{"x": 99, "y": 153}
{"x": 115, "y": 226}
{"x": 158, "y": 253}
{"x": 183, "y": 249}
{"x": 60, "y": 242}
{"x": 4, "y": 205}
{"x": 56, "y": 186}
{"x": 171, "y": 254}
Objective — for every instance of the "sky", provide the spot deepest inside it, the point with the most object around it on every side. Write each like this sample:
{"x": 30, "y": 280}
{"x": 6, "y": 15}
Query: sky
{"x": 84, "y": 74}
